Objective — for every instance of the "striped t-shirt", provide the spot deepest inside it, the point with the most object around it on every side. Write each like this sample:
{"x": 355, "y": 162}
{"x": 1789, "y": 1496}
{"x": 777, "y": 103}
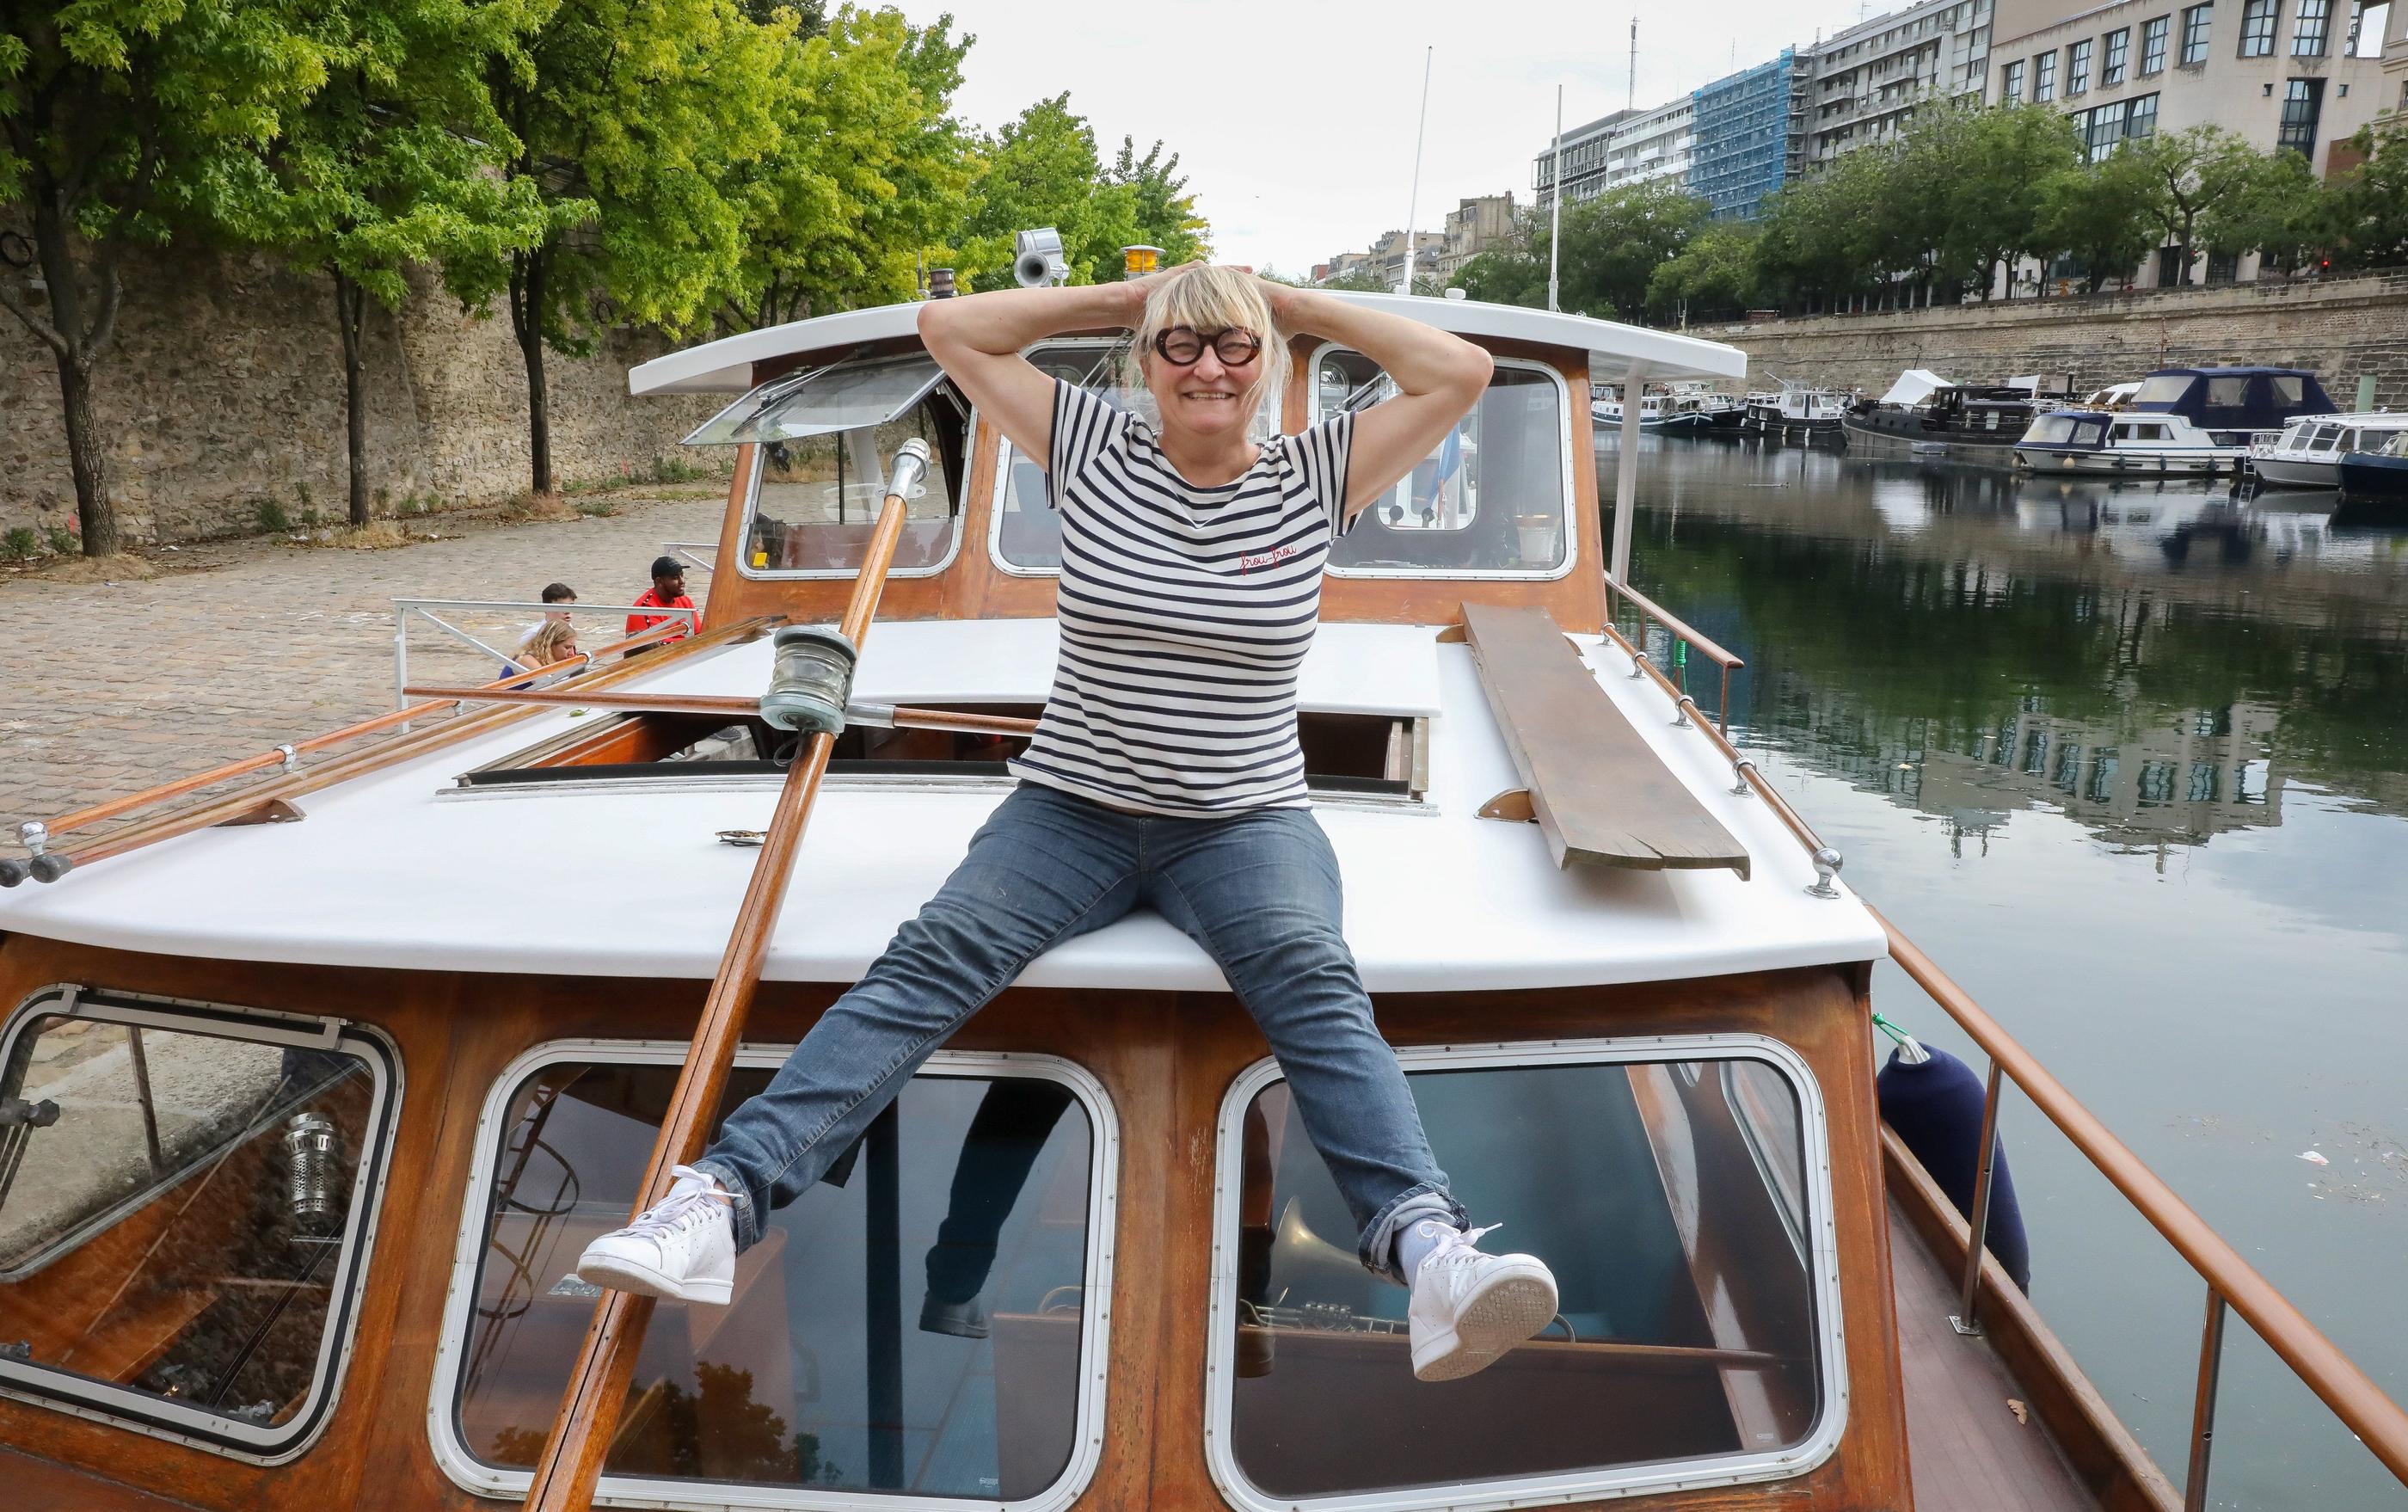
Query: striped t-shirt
{"x": 1185, "y": 613}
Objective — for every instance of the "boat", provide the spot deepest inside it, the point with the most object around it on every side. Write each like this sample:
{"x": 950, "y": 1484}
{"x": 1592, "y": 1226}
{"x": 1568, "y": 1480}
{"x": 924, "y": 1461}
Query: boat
{"x": 2378, "y": 474}
{"x": 1695, "y": 396}
{"x": 2309, "y": 452}
{"x": 1924, "y": 415}
{"x": 2181, "y": 422}
{"x": 306, "y": 1115}
{"x": 1797, "y": 411}
{"x": 1657, "y": 411}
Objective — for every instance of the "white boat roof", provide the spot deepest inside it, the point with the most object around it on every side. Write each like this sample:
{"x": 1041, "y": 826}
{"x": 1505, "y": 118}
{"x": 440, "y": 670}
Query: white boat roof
{"x": 726, "y": 366}
{"x": 2373, "y": 419}
{"x": 400, "y": 869}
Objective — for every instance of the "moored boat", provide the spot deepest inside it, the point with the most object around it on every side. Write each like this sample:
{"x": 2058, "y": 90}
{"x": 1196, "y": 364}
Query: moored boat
{"x": 2381, "y": 474}
{"x": 1798, "y": 410}
{"x": 2181, "y": 422}
{"x": 1924, "y": 415}
{"x": 304, "y": 1116}
{"x": 2310, "y": 450}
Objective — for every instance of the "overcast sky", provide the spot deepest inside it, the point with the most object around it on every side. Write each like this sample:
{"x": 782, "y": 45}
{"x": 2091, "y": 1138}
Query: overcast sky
{"x": 1293, "y": 119}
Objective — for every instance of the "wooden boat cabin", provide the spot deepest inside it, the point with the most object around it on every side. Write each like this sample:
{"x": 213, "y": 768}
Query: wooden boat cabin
{"x": 312, "y": 1090}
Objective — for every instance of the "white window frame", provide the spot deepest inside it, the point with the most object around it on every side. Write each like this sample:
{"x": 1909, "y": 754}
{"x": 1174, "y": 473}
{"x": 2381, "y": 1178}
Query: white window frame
{"x": 1573, "y": 510}
{"x": 122, "y": 1406}
{"x": 1821, "y": 1441}
{"x": 745, "y": 568}
{"x": 464, "y": 1470}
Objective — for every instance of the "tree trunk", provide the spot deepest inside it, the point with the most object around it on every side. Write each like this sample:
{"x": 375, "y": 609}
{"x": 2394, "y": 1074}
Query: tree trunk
{"x": 349, "y": 306}
{"x": 527, "y": 270}
{"x": 94, "y": 514}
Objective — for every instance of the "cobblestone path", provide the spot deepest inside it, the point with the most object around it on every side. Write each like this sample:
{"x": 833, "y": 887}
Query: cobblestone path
{"x": 107, "y": 690}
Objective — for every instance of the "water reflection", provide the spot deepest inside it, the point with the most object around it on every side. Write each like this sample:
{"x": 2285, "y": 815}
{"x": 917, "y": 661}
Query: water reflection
{"x": 2155, "y": 661}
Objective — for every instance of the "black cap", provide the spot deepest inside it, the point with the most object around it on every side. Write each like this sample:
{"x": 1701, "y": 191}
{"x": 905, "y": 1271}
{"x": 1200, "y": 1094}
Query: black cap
{"x": 667, "y": 567}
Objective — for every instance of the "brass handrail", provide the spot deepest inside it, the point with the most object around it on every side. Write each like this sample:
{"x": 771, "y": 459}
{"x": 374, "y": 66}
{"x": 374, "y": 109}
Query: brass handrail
{"x": 2360, "y": 1404}
{"x": 1679, "y": 630}
{"x": 2350, "y": 1394}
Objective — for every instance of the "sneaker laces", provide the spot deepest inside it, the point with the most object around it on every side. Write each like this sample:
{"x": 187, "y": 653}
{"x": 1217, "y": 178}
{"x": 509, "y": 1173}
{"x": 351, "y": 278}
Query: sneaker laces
{"x": 1456, "y": 1244}
{"x": 688, "y": 1202}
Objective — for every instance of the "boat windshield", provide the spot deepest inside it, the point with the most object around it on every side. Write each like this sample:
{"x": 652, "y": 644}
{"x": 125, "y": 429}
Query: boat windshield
{"x": 2165, "y": 388}
{"x": 1678, "y": 1202}
{"x": 2066, "y": 430}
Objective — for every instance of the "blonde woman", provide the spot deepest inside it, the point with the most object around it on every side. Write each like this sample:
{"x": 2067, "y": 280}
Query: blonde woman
{"x": 1164, "y": 774}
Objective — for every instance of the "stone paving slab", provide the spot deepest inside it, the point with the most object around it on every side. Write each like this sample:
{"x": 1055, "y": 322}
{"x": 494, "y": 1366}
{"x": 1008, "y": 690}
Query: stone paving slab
{"x": 108, "y": 689}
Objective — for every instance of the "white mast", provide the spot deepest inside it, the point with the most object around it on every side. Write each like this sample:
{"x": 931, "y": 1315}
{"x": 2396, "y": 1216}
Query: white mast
{"x": 1413, "y": 206}
{"x": 1556, "y": 231}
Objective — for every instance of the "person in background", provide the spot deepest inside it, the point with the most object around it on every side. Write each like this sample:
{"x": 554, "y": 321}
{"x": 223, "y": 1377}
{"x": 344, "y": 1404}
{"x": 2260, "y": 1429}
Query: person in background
{"x": 553, "y": 593}
{"x": 554, "y": 640}
{"x": 666, "y": 591}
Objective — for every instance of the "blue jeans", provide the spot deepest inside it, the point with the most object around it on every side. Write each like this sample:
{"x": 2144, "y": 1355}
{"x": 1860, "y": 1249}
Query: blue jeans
{"x": 1259, "y": 891}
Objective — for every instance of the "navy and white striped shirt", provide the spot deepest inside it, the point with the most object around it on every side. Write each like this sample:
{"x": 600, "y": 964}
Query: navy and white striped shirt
{"x": 1185, "y": 613}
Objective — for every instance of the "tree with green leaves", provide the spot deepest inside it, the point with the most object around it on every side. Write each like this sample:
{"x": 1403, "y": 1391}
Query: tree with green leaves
{"x": 2369, "y": 205}
{"x": 1969, "y": 184}
{"x": 2192, "y": 173}
{"x": 1615, "y": 241}
{"x": 2098, "y": 214}
{"x": 2276, "y": 209}
{"x": 1159, "y": 202}
{"x": 869, "y": 173}
{"x": 1713, "y": 275}
{"x": 1822, "y": 237}
{"x": 1043, "y": 169}
{"x": 395, "y": 162}
{"x": 120, "y": 124}
{"x": 630, "y": 117}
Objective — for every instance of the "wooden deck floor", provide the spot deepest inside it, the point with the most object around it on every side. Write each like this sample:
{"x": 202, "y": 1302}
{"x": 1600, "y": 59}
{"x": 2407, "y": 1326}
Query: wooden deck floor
{"x": 1968, "y": 1452}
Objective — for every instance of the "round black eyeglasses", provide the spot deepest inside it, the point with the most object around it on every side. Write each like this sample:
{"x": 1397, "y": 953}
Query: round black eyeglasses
{"x": 1183, "y": 347}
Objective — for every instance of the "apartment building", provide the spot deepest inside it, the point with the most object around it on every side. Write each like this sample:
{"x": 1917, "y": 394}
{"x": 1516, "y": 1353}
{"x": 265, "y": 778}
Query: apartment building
{"x": 1475, "y": 226}
{"x": 2394, "y": 66}
{"x": 1749, "y": 135}
{"x": 1867, "y": 80}
{"x": 1584, "y": 150}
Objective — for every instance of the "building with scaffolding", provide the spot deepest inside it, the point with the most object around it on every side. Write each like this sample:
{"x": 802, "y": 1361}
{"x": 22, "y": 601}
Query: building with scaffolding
{"x": 1749, "y": 135}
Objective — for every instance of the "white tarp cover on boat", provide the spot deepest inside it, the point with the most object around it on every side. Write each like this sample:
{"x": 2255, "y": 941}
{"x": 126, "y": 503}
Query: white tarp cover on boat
{"x": 1913, "y": 386}
{"x": 850, "y": 396}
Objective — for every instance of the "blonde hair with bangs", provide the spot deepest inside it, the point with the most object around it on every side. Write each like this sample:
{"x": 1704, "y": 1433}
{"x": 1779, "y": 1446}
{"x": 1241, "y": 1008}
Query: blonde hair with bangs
{"x": 1211, "y": 298}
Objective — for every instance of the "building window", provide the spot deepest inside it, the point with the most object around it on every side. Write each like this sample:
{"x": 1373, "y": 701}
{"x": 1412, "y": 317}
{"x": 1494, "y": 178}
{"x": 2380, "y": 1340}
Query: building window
{"x": 2077, "y": 69}
{"x": 186, "y": 1201}
{"x": 2044, "y": 78}
{"x": 2310, "y": 28}
{"x": 2111, "y": 68}
{"x": 2194, "y": 44}
{"x": 2011, "y": 84}
{"x": 1691, "y": 1241}
{"x": 2153, "y": 44}
{"x": 2258, "y": 20}
{"x": 2142, "y": 118}
{"x": 2303, "y": 102}
{"x": 975, "y": 1218}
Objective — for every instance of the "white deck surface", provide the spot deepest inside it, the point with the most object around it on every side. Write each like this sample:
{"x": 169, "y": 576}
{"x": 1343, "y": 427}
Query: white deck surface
{"x": 385, "y": 873}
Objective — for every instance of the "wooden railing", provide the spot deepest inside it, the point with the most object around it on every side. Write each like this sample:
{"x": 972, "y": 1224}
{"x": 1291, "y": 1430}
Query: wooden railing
{"x": 1680, "y": 630}
{"x": 2232, "y": 1283}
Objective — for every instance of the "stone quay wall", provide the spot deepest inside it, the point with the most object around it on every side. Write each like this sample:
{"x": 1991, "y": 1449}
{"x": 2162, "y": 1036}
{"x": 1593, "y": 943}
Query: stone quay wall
{"x": 2338, "y": 329}
{"x": 224, "y": 388}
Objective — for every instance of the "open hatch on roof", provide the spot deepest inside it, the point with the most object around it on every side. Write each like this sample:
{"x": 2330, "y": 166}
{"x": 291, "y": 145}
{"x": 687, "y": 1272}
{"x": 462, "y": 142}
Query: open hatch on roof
{"x": 1359, "y": 755}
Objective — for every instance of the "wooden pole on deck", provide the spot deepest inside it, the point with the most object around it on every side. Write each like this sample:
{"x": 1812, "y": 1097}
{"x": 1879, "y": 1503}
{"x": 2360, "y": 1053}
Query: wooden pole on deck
{"x": 571, "y": 1465}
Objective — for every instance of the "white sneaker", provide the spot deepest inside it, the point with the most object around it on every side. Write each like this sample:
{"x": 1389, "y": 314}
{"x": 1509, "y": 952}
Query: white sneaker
{"x": 1467, "y": 1308}
{"x": 683, "y": 1248}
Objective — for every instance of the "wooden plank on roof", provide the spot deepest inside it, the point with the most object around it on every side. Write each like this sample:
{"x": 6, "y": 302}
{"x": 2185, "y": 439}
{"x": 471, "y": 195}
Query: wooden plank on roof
{"x": 1599, "y": 791}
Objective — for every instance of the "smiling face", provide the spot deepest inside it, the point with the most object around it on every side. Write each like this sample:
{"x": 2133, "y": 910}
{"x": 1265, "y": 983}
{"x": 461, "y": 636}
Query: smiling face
{"x": 1211, "y": 402}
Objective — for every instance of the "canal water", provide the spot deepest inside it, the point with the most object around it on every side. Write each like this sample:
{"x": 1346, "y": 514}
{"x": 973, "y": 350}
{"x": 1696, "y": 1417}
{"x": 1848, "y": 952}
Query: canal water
{"x": 2131, "y": 763}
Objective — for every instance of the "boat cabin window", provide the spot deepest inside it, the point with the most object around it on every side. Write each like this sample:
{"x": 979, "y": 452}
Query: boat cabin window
{"x": 923, "y": 1323}
{"x": 1489, "y": 501}
{"x": 1026, "y": 538}
{"x": 2289, "y": 388}
{"x": 822, "y": 440}
{"x": 184, "y": 1199}
{"x": 2164, "y": 388}
{"x": 2066, "y": 430}
{"x": 1681, "y": 1193}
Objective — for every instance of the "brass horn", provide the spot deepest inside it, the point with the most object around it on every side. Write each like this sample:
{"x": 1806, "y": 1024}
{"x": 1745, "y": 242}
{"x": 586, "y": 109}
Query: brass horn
{"x": 1305, "y": 1267}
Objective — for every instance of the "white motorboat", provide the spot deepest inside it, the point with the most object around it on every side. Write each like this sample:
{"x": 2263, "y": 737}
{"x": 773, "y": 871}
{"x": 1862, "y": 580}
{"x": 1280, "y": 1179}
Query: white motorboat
{"x": 1797, "y": 409}
{"x": 2181, "y": 422}
{"x": 2309, "y": 452}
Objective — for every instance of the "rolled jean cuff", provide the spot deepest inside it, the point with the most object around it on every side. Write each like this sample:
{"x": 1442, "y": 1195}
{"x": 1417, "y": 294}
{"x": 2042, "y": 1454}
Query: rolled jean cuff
{"x": 1378, "y": 1252}
{"x": 747, "y": 1217}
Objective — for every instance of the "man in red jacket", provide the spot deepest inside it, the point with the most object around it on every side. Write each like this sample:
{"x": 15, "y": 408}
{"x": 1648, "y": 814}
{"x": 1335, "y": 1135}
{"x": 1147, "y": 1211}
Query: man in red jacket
{"x": 666, "y": 591}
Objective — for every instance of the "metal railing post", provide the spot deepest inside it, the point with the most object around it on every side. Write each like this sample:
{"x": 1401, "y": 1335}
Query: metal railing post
{"x": 1967, "y": 1320}
{"x": 401, "y": 660}
{"x": 2202, "y": 1407}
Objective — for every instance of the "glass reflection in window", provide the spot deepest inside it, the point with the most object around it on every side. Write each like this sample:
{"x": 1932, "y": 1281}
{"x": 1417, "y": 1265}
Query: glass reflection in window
{"x": 911, "y": 1325}
{"x": 1028, "y": 533}
{"x": 176, "y": 1216}
{"x": 814, "y": 502}
{"x": 1674, "y": 1202}
{"x": 1488, "y": 499}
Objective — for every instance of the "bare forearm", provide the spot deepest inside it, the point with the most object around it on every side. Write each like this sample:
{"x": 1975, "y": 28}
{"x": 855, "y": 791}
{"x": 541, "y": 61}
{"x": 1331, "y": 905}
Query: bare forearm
{"x": 1421, "y": 359}
{"x": 1005, "y": 321}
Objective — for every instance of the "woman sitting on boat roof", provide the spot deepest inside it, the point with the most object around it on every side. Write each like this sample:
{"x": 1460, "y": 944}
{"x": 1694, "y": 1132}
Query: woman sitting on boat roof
{"x": 1163, "y": 773}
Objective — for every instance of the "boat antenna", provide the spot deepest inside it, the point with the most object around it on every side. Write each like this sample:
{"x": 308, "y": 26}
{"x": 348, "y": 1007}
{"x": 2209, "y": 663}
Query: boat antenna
{"x": 1556, "y": 231}
{"x": 1413, "y": 204}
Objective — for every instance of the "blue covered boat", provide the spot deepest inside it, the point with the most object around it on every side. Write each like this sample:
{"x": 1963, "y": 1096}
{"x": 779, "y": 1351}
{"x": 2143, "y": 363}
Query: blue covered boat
{"x": 2185, "y": 421}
